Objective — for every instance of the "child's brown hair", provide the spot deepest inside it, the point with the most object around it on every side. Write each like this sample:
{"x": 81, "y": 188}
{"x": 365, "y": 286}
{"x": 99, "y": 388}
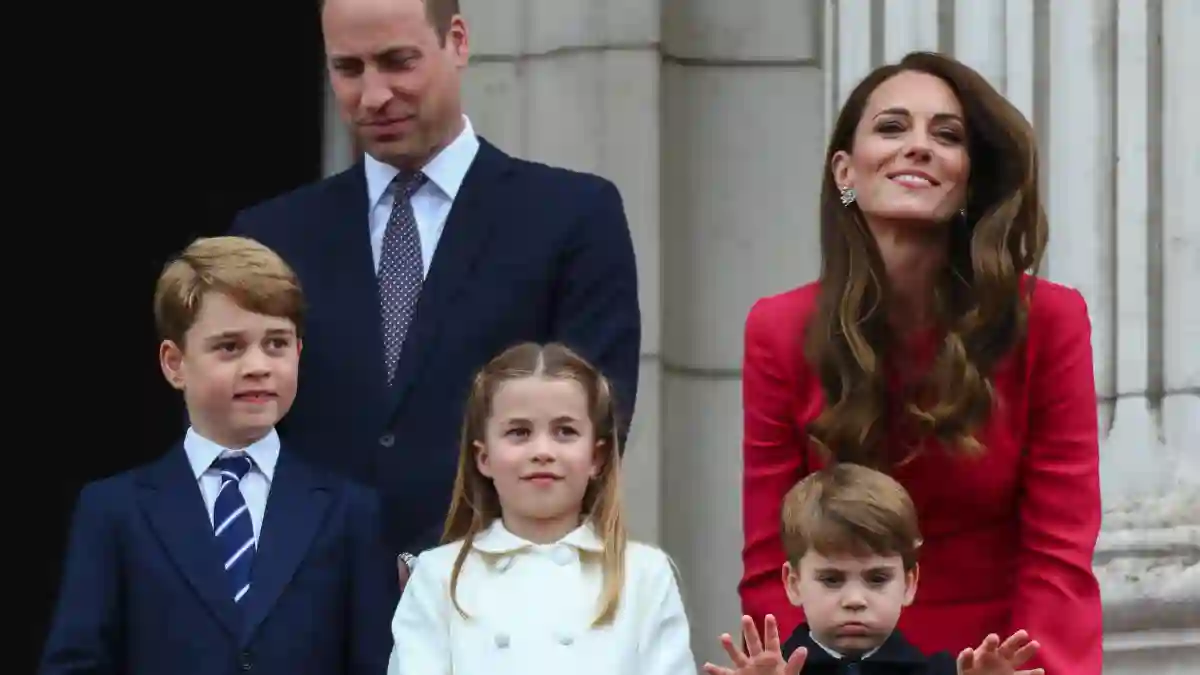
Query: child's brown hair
{"x": 849, "y": 509}
{"x": 475, "y": 504}
{"x": 249, "y": 273}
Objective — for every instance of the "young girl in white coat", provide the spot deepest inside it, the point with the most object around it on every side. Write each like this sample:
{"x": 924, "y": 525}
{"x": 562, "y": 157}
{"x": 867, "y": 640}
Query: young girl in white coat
{"x": 538, "y": 576}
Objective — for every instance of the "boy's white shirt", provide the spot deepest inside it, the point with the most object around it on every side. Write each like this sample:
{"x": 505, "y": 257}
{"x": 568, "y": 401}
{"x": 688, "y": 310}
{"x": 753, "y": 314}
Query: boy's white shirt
{"x": 531, "y": 613}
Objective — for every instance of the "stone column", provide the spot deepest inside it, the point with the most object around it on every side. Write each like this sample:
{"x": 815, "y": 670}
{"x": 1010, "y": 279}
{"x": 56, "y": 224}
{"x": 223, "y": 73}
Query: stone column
{"x": 743, "y": 140}
{"x": 575, "y": 83}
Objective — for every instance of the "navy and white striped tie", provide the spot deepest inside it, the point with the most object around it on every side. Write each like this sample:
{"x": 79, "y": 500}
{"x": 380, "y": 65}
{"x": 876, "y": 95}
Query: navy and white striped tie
{"x": 232, "y": 525}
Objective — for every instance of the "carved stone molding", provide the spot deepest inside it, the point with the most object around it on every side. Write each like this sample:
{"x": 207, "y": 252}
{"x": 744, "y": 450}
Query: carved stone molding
{"x": 1148, "y": 563}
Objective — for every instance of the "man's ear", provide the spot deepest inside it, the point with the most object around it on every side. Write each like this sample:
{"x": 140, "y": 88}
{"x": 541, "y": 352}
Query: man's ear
{"x": 170, "y": 359}
{"x": 458, "y": 39}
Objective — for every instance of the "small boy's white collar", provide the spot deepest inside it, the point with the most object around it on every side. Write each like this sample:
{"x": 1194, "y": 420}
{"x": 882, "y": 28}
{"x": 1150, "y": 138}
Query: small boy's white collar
{"x": 835, "y": 653}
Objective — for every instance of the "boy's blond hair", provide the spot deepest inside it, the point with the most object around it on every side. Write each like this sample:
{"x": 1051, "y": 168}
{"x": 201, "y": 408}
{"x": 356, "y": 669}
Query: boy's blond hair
{"x": 849, "y": 509}
{"x": 250, "y": 274}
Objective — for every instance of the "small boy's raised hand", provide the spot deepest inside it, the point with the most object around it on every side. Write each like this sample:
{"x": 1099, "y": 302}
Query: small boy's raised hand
{"x": 992, "y": 657}
{"x": 762, "y": 659}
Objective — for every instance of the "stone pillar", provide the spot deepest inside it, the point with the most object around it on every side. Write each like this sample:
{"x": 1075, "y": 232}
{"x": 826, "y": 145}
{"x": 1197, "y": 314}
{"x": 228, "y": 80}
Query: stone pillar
{"x": 743, "y": 140}
{"x": 1103, "y": 81}
{"x": 575, "y": 83}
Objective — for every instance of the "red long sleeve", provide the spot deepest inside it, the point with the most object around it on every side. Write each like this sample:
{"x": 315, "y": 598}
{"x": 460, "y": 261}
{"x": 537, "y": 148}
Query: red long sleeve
{"x": 1057, "y": 596}
{"x": 773, "y": 456}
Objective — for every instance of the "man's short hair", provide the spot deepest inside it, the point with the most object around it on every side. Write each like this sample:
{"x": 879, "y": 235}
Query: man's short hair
{"x": 849, "y": 509}
{"x": 439, "y": 13}
{"x": 250, "y": 274}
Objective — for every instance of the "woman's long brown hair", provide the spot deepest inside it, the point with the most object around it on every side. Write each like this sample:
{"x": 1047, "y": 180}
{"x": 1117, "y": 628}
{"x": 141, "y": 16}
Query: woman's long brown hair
{"x": 475, "y": 504}
{"x": 979, "y": 300}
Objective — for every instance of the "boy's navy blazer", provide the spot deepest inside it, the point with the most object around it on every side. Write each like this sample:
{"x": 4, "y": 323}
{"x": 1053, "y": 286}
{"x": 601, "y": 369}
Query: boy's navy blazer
{"x": 896, "y": 656}
{"x": 144, "y": 591}
{"x": 528, "y": 253}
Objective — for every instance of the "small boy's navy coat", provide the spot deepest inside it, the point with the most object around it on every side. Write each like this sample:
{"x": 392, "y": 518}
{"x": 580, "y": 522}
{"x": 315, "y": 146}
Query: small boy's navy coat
{"x": 144, "y": 591}
{"x": 894, "y": 657}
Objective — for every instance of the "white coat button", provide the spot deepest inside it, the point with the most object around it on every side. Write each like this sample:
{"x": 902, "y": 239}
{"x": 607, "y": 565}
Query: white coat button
{"x": 564, "y": 639}
{"x": 563, "y": 555}
{"x": 502, "y": 640}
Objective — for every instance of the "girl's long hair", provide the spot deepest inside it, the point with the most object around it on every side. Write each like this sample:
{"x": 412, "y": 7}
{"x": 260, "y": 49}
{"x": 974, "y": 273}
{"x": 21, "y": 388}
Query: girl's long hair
{"x": 980, "y": 299}
{"x": 475, "y": 504}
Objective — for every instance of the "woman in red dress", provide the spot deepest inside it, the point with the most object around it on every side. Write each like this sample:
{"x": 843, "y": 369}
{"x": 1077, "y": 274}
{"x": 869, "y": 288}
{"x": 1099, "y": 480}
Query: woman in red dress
{"x": 929, "y": 350}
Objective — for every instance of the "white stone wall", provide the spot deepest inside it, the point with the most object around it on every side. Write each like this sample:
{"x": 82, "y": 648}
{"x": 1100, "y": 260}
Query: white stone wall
{"x": 711, "y": 116}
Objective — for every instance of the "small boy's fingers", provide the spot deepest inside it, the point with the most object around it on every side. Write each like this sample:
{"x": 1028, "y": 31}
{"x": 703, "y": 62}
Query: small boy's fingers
{"x": 1023, "y": 654}
{"x": 735, "y": 654}
{"x": 990, "y": 644}
{"x": 771, "y": 628}
{"x": 1013, "y": 643}
{"x": 1035, "y": 671}
{"x": 710, "y": 669}
{"x": 966, "y": 659}
{"x": 750, "y": 632}
{"x": 796, "y": 661}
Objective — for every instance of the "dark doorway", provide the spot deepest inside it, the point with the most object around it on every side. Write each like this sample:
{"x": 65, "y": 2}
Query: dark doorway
{"x": 233, "y": 118}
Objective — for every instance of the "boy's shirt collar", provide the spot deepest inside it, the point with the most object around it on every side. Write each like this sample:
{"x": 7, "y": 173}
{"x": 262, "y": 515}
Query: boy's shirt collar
{"x": 896, "y": 651}
{"x": 201, "y": 453}
{"x": 835, "y": 653}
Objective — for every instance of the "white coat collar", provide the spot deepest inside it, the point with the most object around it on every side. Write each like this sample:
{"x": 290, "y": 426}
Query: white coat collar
{"x": 498, "y": 540}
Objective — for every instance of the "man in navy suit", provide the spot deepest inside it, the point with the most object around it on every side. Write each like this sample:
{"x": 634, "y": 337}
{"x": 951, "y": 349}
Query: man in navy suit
{"x": 229, "y": 553}
{"x": 428, "y": 257}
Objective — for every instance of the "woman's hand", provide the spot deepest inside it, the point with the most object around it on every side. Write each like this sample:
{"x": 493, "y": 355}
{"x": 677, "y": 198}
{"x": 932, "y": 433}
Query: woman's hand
{"x": 761, "y": 660}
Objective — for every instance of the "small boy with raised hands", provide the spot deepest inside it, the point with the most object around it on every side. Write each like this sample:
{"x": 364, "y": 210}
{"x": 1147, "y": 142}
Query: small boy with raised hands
{"x": 851, "y": 537}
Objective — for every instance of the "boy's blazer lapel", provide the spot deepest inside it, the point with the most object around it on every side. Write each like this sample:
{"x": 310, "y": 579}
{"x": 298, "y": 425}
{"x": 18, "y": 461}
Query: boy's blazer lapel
{"x": 170, "y": 497}
{"x": 295, "y": 511}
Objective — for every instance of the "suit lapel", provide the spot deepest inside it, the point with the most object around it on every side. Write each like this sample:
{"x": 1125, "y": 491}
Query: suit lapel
{"x": 467, "y": 230}
{"x": 169, "y": 495}
{"x": 346, "y": 267}
{"x": 295, "y": 511}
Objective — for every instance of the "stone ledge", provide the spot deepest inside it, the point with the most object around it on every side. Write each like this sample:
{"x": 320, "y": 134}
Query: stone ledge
{"x": 1152, "y": 652}
{"x": 1148, "y": 565}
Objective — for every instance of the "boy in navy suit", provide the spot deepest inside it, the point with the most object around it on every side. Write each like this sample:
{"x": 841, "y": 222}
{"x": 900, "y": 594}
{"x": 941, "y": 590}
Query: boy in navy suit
{"x": 851, "y": 537}
{"x": 228, "y": 554}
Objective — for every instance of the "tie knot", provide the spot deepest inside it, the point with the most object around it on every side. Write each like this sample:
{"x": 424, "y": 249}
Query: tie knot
{"x": 235, "y": 467}
{"x": 408, "y": 182}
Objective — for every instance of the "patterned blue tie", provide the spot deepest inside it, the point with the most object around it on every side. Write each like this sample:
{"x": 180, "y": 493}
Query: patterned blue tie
{"x": 231, "y": 523}
{"x": 401, "y": 269}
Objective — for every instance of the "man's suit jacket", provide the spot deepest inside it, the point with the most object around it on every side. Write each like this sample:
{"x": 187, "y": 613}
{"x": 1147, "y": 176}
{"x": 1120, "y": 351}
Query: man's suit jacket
{"x": 528, "y": 253}
{"x": 144, "y": 590}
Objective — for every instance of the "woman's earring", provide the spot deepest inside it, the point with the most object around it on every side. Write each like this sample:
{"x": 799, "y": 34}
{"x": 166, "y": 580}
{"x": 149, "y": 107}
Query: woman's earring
{"x": 962, "y": 212}
{"x": 848, "y": 196}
